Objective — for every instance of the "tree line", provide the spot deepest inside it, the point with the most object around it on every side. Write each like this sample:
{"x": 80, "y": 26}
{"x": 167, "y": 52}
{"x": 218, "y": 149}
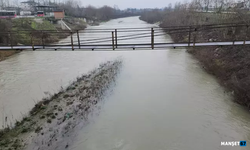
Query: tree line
{"x": 104, "y": 13}
{"x": 199, "y": 12}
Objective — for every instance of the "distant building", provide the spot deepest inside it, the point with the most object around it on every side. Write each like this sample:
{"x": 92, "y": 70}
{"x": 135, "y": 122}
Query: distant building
{"x": 15, "y": 9}
{"x": 59, "y": 14}
{"x": 28, "y": 6}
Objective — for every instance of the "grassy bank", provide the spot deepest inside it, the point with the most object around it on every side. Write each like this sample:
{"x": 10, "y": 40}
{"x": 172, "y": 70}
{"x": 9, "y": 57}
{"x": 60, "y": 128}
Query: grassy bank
{"x": 53, "y": 120}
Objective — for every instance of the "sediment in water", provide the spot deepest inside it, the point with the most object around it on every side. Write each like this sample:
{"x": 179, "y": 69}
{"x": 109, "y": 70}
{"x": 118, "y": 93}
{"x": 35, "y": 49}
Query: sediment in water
{"x": 53, "y": 122}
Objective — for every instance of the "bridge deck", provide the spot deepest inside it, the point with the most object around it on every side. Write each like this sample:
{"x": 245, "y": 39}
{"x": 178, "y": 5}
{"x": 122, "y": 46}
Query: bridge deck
{"x": 123, "y": 46}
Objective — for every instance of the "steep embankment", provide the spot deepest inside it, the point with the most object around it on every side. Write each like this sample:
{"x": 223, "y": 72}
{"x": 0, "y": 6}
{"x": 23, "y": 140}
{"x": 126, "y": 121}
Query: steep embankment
{"x": 54, "y": 121}
{"x": 230, "y": 64}
{"x": 25, "y": 29}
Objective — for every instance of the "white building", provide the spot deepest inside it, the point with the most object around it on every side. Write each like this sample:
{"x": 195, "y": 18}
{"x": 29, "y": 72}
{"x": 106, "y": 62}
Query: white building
{"x": 28, "y": 5}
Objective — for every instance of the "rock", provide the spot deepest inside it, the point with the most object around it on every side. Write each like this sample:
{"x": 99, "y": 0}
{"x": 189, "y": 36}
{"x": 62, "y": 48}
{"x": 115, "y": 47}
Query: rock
{"x": 217, "y": 50}
{"x": 69, "y": 103}
{"x": 50, "y": 113}
{"x": 38, "y": 129}
{"x": 49, "y": 121}
{"x": 68, "y": 115}
{"x": 26, "y": 119}
{"x": 66, "y": 96}
{"x": 42, "y": 117}
{"x": 60, "y": 109}
{"x": 43, "y": 107}
{"x": 53, "y": 117}
{"x": 24, "y": 130}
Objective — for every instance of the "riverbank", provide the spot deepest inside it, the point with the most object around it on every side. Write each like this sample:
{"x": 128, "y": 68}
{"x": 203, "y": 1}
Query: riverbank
{"x": 5, "y": 54}
{"x": 229, "y": 64}
{"x": 34, "y": 26}
{"x": 53, "y": 121}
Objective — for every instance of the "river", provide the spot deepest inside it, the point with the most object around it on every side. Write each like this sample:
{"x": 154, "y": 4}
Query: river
{"x": 163, "y": 99}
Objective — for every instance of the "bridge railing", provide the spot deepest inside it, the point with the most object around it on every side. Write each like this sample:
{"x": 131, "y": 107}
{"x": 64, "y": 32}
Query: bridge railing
{"x": 123, "y": 37}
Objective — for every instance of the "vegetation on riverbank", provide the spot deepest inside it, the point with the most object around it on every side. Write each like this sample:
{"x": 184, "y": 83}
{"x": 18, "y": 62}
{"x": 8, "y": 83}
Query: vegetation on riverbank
{"x": 54, "y": 119}
{"x": 230, "y": 64}
{"x": 24, "y": 30}
{"x": 73, "y": 8}
{"x": 6, "y": 54}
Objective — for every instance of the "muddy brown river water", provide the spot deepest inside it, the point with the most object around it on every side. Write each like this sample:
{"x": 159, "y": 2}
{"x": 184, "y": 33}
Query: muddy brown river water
{"x": 163, "y": 99}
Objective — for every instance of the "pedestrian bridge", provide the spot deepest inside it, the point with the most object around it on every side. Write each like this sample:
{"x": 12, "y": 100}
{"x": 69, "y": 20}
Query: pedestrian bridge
{"x": 126, "y": 38}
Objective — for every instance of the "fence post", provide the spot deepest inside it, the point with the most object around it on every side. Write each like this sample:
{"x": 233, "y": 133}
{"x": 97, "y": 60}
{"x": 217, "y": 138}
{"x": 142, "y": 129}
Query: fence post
{"x": 189, "y": 36}
{"x": 11, "y": 44}
{"x": 72, "y": 44}
{"x": 116, "y": 45}
{"x": 32, "y": 43}
{"x": 78, "y": 38}
{"x": 152, "y": 38}
{"x": 113, "y": 41}
{"x": 43, "y": 40}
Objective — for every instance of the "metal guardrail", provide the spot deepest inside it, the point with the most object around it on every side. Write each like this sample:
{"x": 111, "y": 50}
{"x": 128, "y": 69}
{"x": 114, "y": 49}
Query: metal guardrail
{"x": 112, "y": 40}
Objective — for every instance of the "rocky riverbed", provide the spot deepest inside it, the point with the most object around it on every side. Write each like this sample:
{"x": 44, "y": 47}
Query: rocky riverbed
{"x": 53, "y": 121}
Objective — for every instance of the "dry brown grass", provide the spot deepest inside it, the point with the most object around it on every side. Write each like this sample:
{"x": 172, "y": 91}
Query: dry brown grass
{"x": 6, "y": 54}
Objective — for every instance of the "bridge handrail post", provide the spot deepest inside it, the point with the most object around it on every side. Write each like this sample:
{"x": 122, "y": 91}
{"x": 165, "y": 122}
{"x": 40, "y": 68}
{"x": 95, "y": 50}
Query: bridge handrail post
{"x": 113, "y": 41}
{"x": 78, "y": 38}
{"x": 72, "y": 44}
{"x": 116, "y": 45}
{"x": 152, "y": 38}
